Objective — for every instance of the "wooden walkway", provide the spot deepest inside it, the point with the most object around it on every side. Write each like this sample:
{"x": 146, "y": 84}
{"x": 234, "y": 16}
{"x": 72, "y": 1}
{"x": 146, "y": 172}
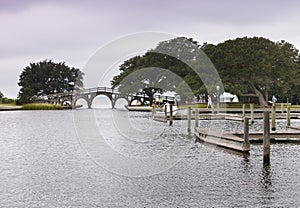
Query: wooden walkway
{"x": 247, "y": 110}
{"x": 223, "y": 139}
{"x": 160, "y": 116}
{"x": 139, "y": 108}
{"x": 239, "y": 140}
{"x": 234, "y": 140}
{"x": 291, "y": 134}
{"x": 232, "y": 114}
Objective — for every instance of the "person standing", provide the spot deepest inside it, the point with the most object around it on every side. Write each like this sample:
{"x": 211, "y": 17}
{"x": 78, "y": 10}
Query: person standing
{"x": 209, "y": 102}
{"x": 274, "y": 100}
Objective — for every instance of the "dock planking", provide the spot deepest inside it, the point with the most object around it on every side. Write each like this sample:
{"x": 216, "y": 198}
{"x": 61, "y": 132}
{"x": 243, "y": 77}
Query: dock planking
{"x": 225, "y": 138}
{"x": 288, "y": 134}
{"x": 221, "y": 138}
{"x": 158, "y": 116}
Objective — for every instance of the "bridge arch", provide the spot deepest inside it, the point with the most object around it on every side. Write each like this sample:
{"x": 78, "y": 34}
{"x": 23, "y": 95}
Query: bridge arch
{"x": 136, "y": 100}
{"x": 119, "y": 99}
{"x": 98, "y": 100}
{"x": 80, "y": 99}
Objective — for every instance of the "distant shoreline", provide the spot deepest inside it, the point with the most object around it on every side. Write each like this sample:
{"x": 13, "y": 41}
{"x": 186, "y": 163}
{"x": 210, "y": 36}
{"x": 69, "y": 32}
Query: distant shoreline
{"x": 37, "y": 107}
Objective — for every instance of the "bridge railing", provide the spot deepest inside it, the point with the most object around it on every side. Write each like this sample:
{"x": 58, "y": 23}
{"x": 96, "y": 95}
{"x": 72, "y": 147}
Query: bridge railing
{"x": 95, "y": 90}
{"x": 85, "y": 91}
{"x": 104, "y": 90}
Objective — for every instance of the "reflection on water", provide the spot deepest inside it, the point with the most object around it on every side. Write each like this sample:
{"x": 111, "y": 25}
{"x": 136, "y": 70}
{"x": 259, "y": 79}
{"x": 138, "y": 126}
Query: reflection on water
{"x": 43, "y": 164}
{"x": 266, "y": 185}
{"x": 266, "y": 177}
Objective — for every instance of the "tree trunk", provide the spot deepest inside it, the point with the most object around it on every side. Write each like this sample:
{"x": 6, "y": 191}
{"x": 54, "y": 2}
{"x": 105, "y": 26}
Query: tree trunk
{"x": 267, "y": 95}
{"x": 261, "y": 99}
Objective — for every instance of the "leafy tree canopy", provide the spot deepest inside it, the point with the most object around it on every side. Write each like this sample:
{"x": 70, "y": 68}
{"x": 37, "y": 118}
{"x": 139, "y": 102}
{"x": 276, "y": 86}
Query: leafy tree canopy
{"x": 1, "y": 95}
{"x": 168, "y": 67}
{"x": 256, "y": 65}
{"x": 47, "y": 77}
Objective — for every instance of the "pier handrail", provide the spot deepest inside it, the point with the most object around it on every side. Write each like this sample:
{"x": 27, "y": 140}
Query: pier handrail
{"x": 99, "y": 90}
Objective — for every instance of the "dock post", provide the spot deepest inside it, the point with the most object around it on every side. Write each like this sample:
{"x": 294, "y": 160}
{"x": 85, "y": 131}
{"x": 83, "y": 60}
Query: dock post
{"x": 196, "y": 117}
{"x": 243, "y": 110}
{"x": 166, "y": 113}
{"x": 288, "y": 115}
{"x": 281, "y": 108}
{"x": 266, "y": 139}
{"x": 273, "y": 118}
{"x": 171, "y": 115}
{"x": 153, "y": 109}
{"x": 246, "y": 144}
{"x": 189, "y": 118}
{"x": 252, "y": 113}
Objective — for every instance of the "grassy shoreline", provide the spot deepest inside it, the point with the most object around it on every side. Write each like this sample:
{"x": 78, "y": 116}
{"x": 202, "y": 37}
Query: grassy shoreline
{"x": 44, "y": 106}
{"x": 33, "y": 106}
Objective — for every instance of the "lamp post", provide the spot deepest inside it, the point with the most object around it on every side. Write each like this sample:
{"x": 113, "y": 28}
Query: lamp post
{"x": 152, "y": 98}
{"x": 218, "y": 97}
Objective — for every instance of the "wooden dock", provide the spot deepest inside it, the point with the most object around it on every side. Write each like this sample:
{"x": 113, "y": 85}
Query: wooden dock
{"x": 139, "y": 108}
{"x": 223, "y": 139}
{"x": 240, "y": 141}
{"x": 234, "y": 115}
{"x": 290, "y": 134}
{"x": 235, "y": 141}
{"x": 160, "y": 116}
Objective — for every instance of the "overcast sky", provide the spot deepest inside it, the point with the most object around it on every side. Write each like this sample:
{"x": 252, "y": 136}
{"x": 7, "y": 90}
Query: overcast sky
{"x": 72, "y": 30}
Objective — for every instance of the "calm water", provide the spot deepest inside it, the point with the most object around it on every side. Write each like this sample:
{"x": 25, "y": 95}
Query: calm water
{"x": 112, "y": 158}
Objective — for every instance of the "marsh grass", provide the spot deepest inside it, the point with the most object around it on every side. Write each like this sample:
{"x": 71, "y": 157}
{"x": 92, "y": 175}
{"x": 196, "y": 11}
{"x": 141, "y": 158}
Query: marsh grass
{"x": 43, "y": 106}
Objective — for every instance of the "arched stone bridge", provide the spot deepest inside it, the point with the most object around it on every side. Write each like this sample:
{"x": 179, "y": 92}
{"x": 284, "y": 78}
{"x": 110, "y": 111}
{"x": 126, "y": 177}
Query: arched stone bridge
{"x": 89, "y": 94}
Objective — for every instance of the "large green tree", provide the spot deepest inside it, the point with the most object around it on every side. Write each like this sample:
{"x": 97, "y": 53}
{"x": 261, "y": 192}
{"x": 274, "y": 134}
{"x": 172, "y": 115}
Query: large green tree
{"x": 47, "y": 77}
{"x": 168, "y": 67}
{"x": 146, "y": 74}
{"x": 1, "y": 95}
{"x": 256, "y": 65}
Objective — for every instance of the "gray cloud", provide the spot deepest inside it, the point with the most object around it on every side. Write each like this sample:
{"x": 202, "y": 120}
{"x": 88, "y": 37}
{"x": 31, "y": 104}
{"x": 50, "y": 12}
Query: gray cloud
{"x": 73, "y": 30}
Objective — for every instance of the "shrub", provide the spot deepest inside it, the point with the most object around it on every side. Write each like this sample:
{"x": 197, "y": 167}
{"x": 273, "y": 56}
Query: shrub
{"x": 5, "y": 100}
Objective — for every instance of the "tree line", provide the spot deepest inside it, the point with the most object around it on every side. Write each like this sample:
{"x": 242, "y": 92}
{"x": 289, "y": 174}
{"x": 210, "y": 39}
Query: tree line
{"x": 255, "y": 66}
{"x": 5, "y": 100}
{"x": 248, "y": 66}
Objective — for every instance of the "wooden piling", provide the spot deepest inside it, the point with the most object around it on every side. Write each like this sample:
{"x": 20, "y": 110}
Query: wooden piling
{"x": 189, "y": 118}
{"x": 153, "y": 109}
{"x": 288, "y": 116}
{"x": 244, "y": 109}
{"x": 166, "y": 112}
{"x": 252, "y": 113}
{"x": 266, "y": 139}
{"x": 246, "y": 143}
{"x": 281, "y": 108}
{"x": 196, "y": 117}
{"x": 273, "y": 118}
{"x": 171, "y": 115}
